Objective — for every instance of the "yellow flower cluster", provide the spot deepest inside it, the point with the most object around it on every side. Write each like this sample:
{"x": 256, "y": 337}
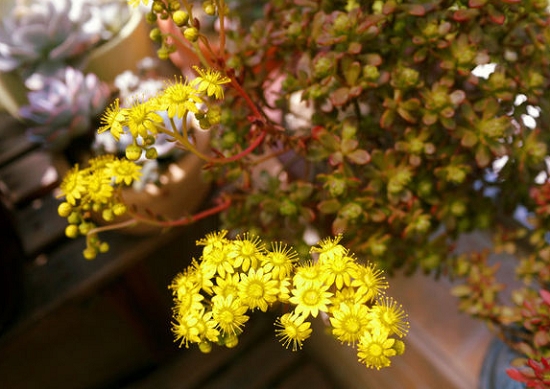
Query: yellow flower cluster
{"x": 233, "y": 277}
{"x": 143, "y": 120}
{"x": 95, "y": 190}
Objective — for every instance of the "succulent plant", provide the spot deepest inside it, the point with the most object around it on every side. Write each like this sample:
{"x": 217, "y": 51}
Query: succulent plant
{"x": 43, "y": 36}
{"x": 63, "y": 106}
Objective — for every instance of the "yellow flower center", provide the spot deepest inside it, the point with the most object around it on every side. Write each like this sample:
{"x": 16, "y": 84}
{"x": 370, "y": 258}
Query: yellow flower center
{"x": 226, "y": 316}
{"x": 311, "y": 297}
{"x": 352, "y": 325}
{"x": 255, "y": 290}
{"x": 375, "y": 350}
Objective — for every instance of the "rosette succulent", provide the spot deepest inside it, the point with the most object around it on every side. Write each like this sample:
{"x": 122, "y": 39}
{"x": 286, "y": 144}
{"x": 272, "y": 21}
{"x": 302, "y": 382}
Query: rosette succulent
{"x": 43, "y": 36}
{"x": 63, "y": 106}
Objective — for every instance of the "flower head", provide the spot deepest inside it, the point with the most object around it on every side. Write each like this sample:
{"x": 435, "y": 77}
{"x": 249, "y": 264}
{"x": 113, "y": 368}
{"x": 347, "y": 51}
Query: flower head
{"x": 113, "y": 120}
{"x": 73, "y": 185}
{"x": 143, "y": 119}
{"x": 229, "y": 313}
{"x": 258, "y": 290}
{"x": 329, "y": 248}
{"x": 179, "y": 98}
{"x": 375, "y": 349}
{"x": 292, "y": 329}
{"x": 388, "y": 314}
{"x": 247, "y": 251}
{"x": 349, "y": 321}
{"x": 279, "y": 260}
{"x": 124, "y": 171}
{"x": 211, "y": 81}
{"x": 369, "y": 281}
{"x": 311, "y": 298}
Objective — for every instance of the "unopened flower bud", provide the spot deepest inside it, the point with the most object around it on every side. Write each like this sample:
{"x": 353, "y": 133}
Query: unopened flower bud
{"x": 133, "y": 152}
{"x": 71, "y": 231}
{"x": 180, "y": 17}
{"x": 73, "y": 218}
{"x": 89, "y": 253}
{"x": 155, "y": 35}
{"x": 205, "y": 347}
{"x": 209, "y": 8}
{"x": 103, "y": 247}
{"x": 151, "y": 153}
{"x": 119, "y": 209}
{"x": 191, "y": 34}
{"x": 107, "y": 215}
{"x": 64, "y": 209}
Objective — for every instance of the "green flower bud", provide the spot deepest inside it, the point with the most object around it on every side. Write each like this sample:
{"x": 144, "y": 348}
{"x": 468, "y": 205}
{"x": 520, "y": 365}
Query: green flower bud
{"x": 158, "y": 6}
{"x": 214, "y": 115}
{"x": 151, "y": 153}
{"x": 155, "y": 35}
{"x": 151, "y": 17}
{"x": 209, "y": 8}
{"x": 133, "y": 152}
{"x": 74, "y": 218}
{"x": 191, "y": 34}
{"x": 180, "y": 17}
{"x": 399, "y": 347}
{"x": 84, "y": 228}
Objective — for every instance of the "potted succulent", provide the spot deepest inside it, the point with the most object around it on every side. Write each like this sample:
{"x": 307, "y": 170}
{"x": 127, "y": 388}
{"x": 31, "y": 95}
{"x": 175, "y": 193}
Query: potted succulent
{"x": 399, "y": 124}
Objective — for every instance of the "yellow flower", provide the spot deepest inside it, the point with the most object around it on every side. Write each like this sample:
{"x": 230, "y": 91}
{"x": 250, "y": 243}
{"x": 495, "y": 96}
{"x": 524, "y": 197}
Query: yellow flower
{"x": 279, "y": 260}
{"x": 375, "y": 349}
{"x": 247, "y": 251}
{"x": 369, "y": 281}
{"x": 227, "y": 286}
{"x": 73, "y": 185}
{"x": 213, "y": 240}
{"x": 218, "y": 262}
{"x": 99, "y": 189}
{"x": 113, "y": 119}
{"x": 201, "y": 275}
{"x": 258, "y": 290}
{"x": 179, "y": 98}
{"x": 338, "y": 270}
{"x": 311, "y": 298}
{"x": 195, "y": 327}
{"x": 307, "y": 273}
{"x": 229, "y": 313}
{"x": 292, "y": 329}
{"x": 390, "y": 315}
{"x": 142, "y": 118}
{"x": 329, "y": 248}
{"x": 347, "y": 295}
{"x": 186, "y": 294}
{"x": 211, "y": 81}
{"x": 123, "y": 171}
{"x": 349, "y": 321}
